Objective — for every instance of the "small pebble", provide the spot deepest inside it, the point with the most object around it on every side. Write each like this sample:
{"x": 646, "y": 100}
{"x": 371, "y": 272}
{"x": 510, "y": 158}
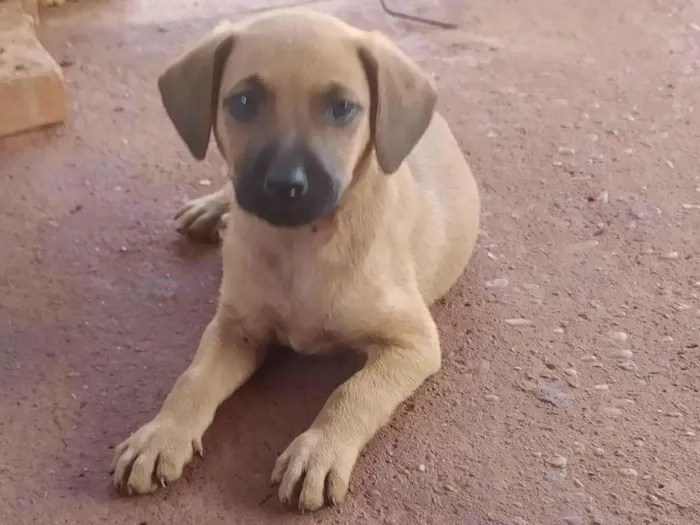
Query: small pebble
{"x": 629, "y": 366}
{"x": 501, "y": 282}
{"x": 603, "y": 197}
{"x": 675, "y": 414}
{"x": 599, "y": 452}
{"x": 628, "y": 472}
{"x": 601, "y": 387}
{"x": 622, "y": 354}
{"x": 558, "y": 330}
{"x": 667, "y": 339}
{"x": 620, "y": 337}
{"x": 574, "y": 520}
{"x": 612, "y": 411}
{"x": 491, "y": 397}
{"x": 421, "y": 467}
{"x": 670, "y": 255}
{"x": 571, "y": 372}
{"x": 578, "y": 484}
{"x": 638, "y": 442}
{"x": 205, "y": 182}
{"x": 557, "y": 461}
{"x": 689, "y": 433}
{"x": 588, "y": 358}
{"x": 518, "y": 322}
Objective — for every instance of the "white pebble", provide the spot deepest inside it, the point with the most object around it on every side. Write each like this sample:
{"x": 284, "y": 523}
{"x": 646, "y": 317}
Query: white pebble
{"x": 689, "y": 433}
{"x": 205, "y": 182}
{"x": 628, "y": 472}
{"x": 421, "y": 467}
{"x": 588, "y": 358}
{"x": 571, "y": 372}
{"x": 599, "y": 452}
{"x": 491, "y": 397}
{"x": 638, "y": 442}
{"x": 622, "y": 354}
{"x": 667, "y": 339}
{"x": 620, "y": 337}
{"x": 558, "y": 330}
{"x": 612, "y": 411}
{"x": 518, "y": 322}
{"x": 670, "y": 255}
{"x": 601, "y": 387}
{"x": 629, "y": 366}
{"x": 674, "y": 414}
{"x": 501, "y": 282}
{"x": 691, "y": 206}
{"x": 557, "y": 461}
{"x": 603, "y": 197}
{"x": 574, "y": 520}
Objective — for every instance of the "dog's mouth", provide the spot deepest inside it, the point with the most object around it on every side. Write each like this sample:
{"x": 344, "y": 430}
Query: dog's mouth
{"x": 286, "y": 187}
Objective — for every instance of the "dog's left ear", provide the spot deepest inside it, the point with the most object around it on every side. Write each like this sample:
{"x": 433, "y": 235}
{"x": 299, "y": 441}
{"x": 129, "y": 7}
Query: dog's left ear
{"x": 189, "y": 88}
{"x": 403, "y": 99}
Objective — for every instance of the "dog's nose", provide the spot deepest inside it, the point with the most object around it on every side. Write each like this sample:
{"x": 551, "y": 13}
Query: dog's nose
{"x": 287, "y": 183}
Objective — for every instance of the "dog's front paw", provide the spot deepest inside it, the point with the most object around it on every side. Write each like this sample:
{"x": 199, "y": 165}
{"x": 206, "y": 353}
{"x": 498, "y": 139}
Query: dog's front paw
{"x": 317, "y": 467}
{"x": 153, "y": 456}
{"x": 203, "y": 219}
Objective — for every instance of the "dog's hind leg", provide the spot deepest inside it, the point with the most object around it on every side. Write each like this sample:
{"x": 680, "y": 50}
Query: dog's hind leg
{"x": 204, "y": 219}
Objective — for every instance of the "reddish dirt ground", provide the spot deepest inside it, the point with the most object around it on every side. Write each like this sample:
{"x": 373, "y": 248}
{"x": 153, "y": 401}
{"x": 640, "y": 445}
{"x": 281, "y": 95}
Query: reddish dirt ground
{"x": 578, "y": 119}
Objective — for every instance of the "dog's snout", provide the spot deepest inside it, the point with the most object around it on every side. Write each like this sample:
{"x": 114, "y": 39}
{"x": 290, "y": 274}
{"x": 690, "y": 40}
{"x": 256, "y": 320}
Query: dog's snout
{"x": 286, "y": 182}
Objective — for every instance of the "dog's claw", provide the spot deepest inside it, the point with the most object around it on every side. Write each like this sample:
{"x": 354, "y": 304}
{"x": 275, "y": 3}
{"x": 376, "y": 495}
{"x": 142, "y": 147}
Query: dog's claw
{"x": 198, "y": 448}
{"x": 163, "y": 483}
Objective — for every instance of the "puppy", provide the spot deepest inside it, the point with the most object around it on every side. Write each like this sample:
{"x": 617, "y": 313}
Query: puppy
{"x": 350, "y": 209}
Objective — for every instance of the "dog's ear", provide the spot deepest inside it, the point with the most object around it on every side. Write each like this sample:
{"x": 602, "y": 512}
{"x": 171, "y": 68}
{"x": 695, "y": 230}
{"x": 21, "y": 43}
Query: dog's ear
{"x": 189, "y": 87}
{"x": 403, "y": 99}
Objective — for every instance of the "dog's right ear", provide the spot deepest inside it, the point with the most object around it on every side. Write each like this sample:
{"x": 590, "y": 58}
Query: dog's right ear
{"x": 189, "y": 87}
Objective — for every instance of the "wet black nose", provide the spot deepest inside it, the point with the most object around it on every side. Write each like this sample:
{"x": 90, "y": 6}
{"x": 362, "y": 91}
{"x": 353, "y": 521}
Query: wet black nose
{"x": 286, "y": 183}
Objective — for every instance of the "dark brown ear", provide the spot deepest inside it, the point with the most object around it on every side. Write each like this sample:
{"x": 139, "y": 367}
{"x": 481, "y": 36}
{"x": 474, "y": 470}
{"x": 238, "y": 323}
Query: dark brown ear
{"x": 403, "y": 100}
{"x": 189, "y": 88}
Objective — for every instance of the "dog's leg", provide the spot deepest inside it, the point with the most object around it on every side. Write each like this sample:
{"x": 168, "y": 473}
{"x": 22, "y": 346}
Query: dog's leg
{"x": 204, "y": 219}
{"x": 320, "y": 461}
{"x": 157, "y": 453}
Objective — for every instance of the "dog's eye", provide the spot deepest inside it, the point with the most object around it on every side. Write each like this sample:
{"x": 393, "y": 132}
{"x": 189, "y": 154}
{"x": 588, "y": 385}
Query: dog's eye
{"x": 244, "y": 106}
{"x": 341, "y": 112}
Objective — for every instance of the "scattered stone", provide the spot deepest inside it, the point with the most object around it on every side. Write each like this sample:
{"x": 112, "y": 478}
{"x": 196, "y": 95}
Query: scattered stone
{"x": 628, "y": 472}
{"x": 519, "y": 521}
{"x": 612, "y": 411}
{"x": 518, "y": 322}
{"x": 599, "y": 452}
{"x": 620, "y": 337}
{"x": 629, "y": 366}
{"x": 689, "y": 433}
{"x": 638, "y": 442}
{"x": 501, "y": 282}
{"x": 574, "y": 520}
{"x": 577, "y": 484}
{"x": 670, "y": 255}
{"x": 601, "y": 387}
{"x": 571, "y": 372}
{"x": 552, "y": 395}
{"x": 205, "y": 182}
{"x": 603, "y": 197}
{"x": 491, "y": 397}
{"x": 691, "y": 206}
{"x": 622, "y": 354}
{"x": 572, "y": 381}
{"x": 580, "y": 448}
{"x": 674, "y": 414}
{"x": 557, "y": 461}
{"x": 482, "y": 368}
{"x": 421, "y": 467}
{"x": 582, "y": 246}
{"x": 558, "y": 330}
{"x": 667, "y": 339}
{"x": 566, "y": 151}
{"x": 588, "y": 358}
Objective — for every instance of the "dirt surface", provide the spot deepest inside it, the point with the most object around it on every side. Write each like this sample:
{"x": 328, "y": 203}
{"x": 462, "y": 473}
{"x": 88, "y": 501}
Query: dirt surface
{"x": 569, "y": 393}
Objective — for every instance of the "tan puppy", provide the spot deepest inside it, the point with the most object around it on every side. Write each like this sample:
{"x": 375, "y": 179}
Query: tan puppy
{"x": 351, "y": 209}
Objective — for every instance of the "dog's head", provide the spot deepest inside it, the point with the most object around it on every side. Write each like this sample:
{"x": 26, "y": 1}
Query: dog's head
{"x": 297, "y": 99}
